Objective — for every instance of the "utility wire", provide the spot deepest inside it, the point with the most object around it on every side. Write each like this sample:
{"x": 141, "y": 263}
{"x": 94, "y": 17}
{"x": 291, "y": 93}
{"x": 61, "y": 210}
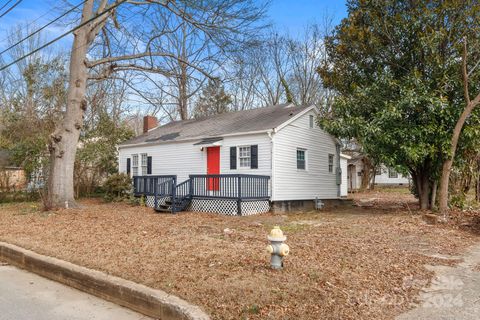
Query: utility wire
{"x": 5, "y": 4}
{"x": 42, "y": 28}
{"x": 11, "y": 8}
{"x": 63, "y": 35}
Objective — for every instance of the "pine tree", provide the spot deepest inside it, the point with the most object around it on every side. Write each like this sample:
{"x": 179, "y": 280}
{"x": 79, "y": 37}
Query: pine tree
{"x": 213, "y": 100}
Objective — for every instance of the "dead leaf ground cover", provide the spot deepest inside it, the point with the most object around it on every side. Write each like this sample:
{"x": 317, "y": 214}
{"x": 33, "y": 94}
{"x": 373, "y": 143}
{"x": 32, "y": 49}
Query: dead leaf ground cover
{"x": 345, "y": 263}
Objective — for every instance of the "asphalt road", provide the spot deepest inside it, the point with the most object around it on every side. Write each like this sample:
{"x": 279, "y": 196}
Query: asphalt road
{"x": 26, "y": 296}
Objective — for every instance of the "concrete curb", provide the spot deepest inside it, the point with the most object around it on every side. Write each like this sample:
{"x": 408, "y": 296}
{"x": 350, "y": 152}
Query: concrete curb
{"x": 140, "y": 298}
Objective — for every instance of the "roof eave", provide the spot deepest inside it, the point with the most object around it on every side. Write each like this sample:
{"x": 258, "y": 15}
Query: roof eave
{"x": 139, "y": 144}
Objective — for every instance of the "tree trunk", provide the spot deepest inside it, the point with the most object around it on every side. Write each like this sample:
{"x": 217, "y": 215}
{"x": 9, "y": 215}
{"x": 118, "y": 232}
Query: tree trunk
{"x": 477, "y": 189}
{"x": 183, "y": 85}
{"x": 63, "y": 142}
{"x": 421, "y": 179}
{"x": 182, "y": 98}
{"x": 434, "y": 195}
{"x": 425, "y": 195}
{"x": 447, "y": 164}
{"x": 374, "y": 176}
{"x": 477, "y": 193}
{"x": 367, "y": 168}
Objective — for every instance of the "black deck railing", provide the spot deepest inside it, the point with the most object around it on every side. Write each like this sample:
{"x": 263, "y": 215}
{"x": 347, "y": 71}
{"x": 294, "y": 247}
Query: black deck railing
{"x": 239, "y": 187}
{"x": 182, "y": 190}
{"x": 230, "y": 186}
{"x": 153, "y": 185}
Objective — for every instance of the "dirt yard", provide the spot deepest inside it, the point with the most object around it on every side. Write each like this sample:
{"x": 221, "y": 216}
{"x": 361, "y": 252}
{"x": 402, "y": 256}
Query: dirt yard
{"x": 359, "y": 262}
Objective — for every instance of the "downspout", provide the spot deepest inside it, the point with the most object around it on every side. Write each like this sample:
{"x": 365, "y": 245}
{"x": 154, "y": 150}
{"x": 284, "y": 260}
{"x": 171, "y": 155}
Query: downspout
{"x": 272, "y": 163}
{"x": 339, "y": 172}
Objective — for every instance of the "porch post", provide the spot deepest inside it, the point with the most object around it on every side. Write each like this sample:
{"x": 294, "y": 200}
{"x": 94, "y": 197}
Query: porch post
{"x": 239, "y": 199}
{"x": 191, "y": 186}
{"x": 155, "y": 192}
{"x": 173, "y": 194}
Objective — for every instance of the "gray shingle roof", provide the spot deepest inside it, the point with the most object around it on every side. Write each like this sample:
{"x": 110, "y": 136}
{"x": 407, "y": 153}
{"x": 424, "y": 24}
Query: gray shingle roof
{"x": 219, "y": 125}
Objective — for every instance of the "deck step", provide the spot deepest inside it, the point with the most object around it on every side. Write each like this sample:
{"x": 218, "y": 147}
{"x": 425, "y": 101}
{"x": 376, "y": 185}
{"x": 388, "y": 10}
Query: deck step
{"x": 177, "y": 202}
{"x": 178, "y": 205}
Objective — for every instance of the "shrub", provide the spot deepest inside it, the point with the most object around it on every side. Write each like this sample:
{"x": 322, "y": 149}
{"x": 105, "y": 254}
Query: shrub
{"x": 117, "y": 187}
{"x": 18, "y": 196}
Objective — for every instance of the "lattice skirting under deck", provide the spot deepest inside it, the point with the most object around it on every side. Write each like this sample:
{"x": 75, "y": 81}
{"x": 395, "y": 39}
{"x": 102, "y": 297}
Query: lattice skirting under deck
{"x": 228, "y": 206}
{"x": 150, "y": 201}
{"x": 254, "y": 207}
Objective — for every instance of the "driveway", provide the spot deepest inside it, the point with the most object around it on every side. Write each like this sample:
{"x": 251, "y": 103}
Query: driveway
{"x": 26, "y": 296}
{"x": 454, "y": 292}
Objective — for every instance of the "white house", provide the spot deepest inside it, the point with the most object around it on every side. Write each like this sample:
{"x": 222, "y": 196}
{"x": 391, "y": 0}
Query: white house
{"x": 384, "y": 176}
{"x": 236, "y": 163}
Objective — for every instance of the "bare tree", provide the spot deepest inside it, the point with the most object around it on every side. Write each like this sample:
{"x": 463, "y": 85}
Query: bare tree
{"x": 223, "y": 21}
{"x": 306, "y": 55}
{"x": 282, "y": 69}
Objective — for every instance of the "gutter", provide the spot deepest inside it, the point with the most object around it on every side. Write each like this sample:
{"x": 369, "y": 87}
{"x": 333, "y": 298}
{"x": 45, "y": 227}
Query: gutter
{"x": 153, "y": 143}
{"x": 271, "y": 135}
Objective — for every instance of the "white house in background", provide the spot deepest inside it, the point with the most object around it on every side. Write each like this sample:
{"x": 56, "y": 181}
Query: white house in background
{"x": 384, "y": 176}
{"x": 280, "y": 155}
{"x": 344, "y": 169}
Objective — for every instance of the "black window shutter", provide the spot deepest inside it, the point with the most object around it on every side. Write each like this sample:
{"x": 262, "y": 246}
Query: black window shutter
{"x": 128, "y": 166}
{"x": 233, "y": 158}
{"x": 254, "y": 157}
{"x": 149, "y": 165}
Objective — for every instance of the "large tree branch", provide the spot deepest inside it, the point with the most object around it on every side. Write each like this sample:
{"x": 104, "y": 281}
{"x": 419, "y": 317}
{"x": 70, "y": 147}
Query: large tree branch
{"x": 109, "y": 70}
{"x": 464, "y": 72}
{"x": 95, "y": 26}
{"x": 107, "y": 60}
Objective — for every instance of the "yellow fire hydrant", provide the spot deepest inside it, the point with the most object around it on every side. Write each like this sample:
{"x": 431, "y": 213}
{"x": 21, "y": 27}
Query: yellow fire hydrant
{"x": 277, "y": 248}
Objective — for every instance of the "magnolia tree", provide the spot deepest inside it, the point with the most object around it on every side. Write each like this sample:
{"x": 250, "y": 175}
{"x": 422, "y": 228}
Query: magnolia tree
{"x": 397, "y": 67}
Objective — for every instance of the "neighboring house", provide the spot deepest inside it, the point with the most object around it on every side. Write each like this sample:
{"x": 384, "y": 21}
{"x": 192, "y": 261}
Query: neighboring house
{"x": 384, "y": 176}
{"x": 11, "y": 178}
{"x": 235, "y": 163}
{"x": 344, "y": 167}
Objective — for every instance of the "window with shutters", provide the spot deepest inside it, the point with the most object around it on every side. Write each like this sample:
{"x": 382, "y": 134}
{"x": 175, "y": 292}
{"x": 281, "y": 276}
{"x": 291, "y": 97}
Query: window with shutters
{"x": 135, "y": 164}
{"x": 330, "y": 162}
{"x": 244, "y": 157}
{"x": 144, "y": 164}
{"x": 301, "y": 159}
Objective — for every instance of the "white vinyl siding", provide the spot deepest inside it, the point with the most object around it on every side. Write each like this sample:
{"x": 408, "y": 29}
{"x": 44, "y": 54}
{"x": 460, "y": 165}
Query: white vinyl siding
{"x": 386, "y": 179}
{"x": 264, "y": 154}
{"x": 293, "y": 184}
{"x": 184, "y": 158}
{"x": 181, "y": 159}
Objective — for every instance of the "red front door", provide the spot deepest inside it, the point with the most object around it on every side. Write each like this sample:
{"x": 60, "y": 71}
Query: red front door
{"x": 213, "y": 166}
